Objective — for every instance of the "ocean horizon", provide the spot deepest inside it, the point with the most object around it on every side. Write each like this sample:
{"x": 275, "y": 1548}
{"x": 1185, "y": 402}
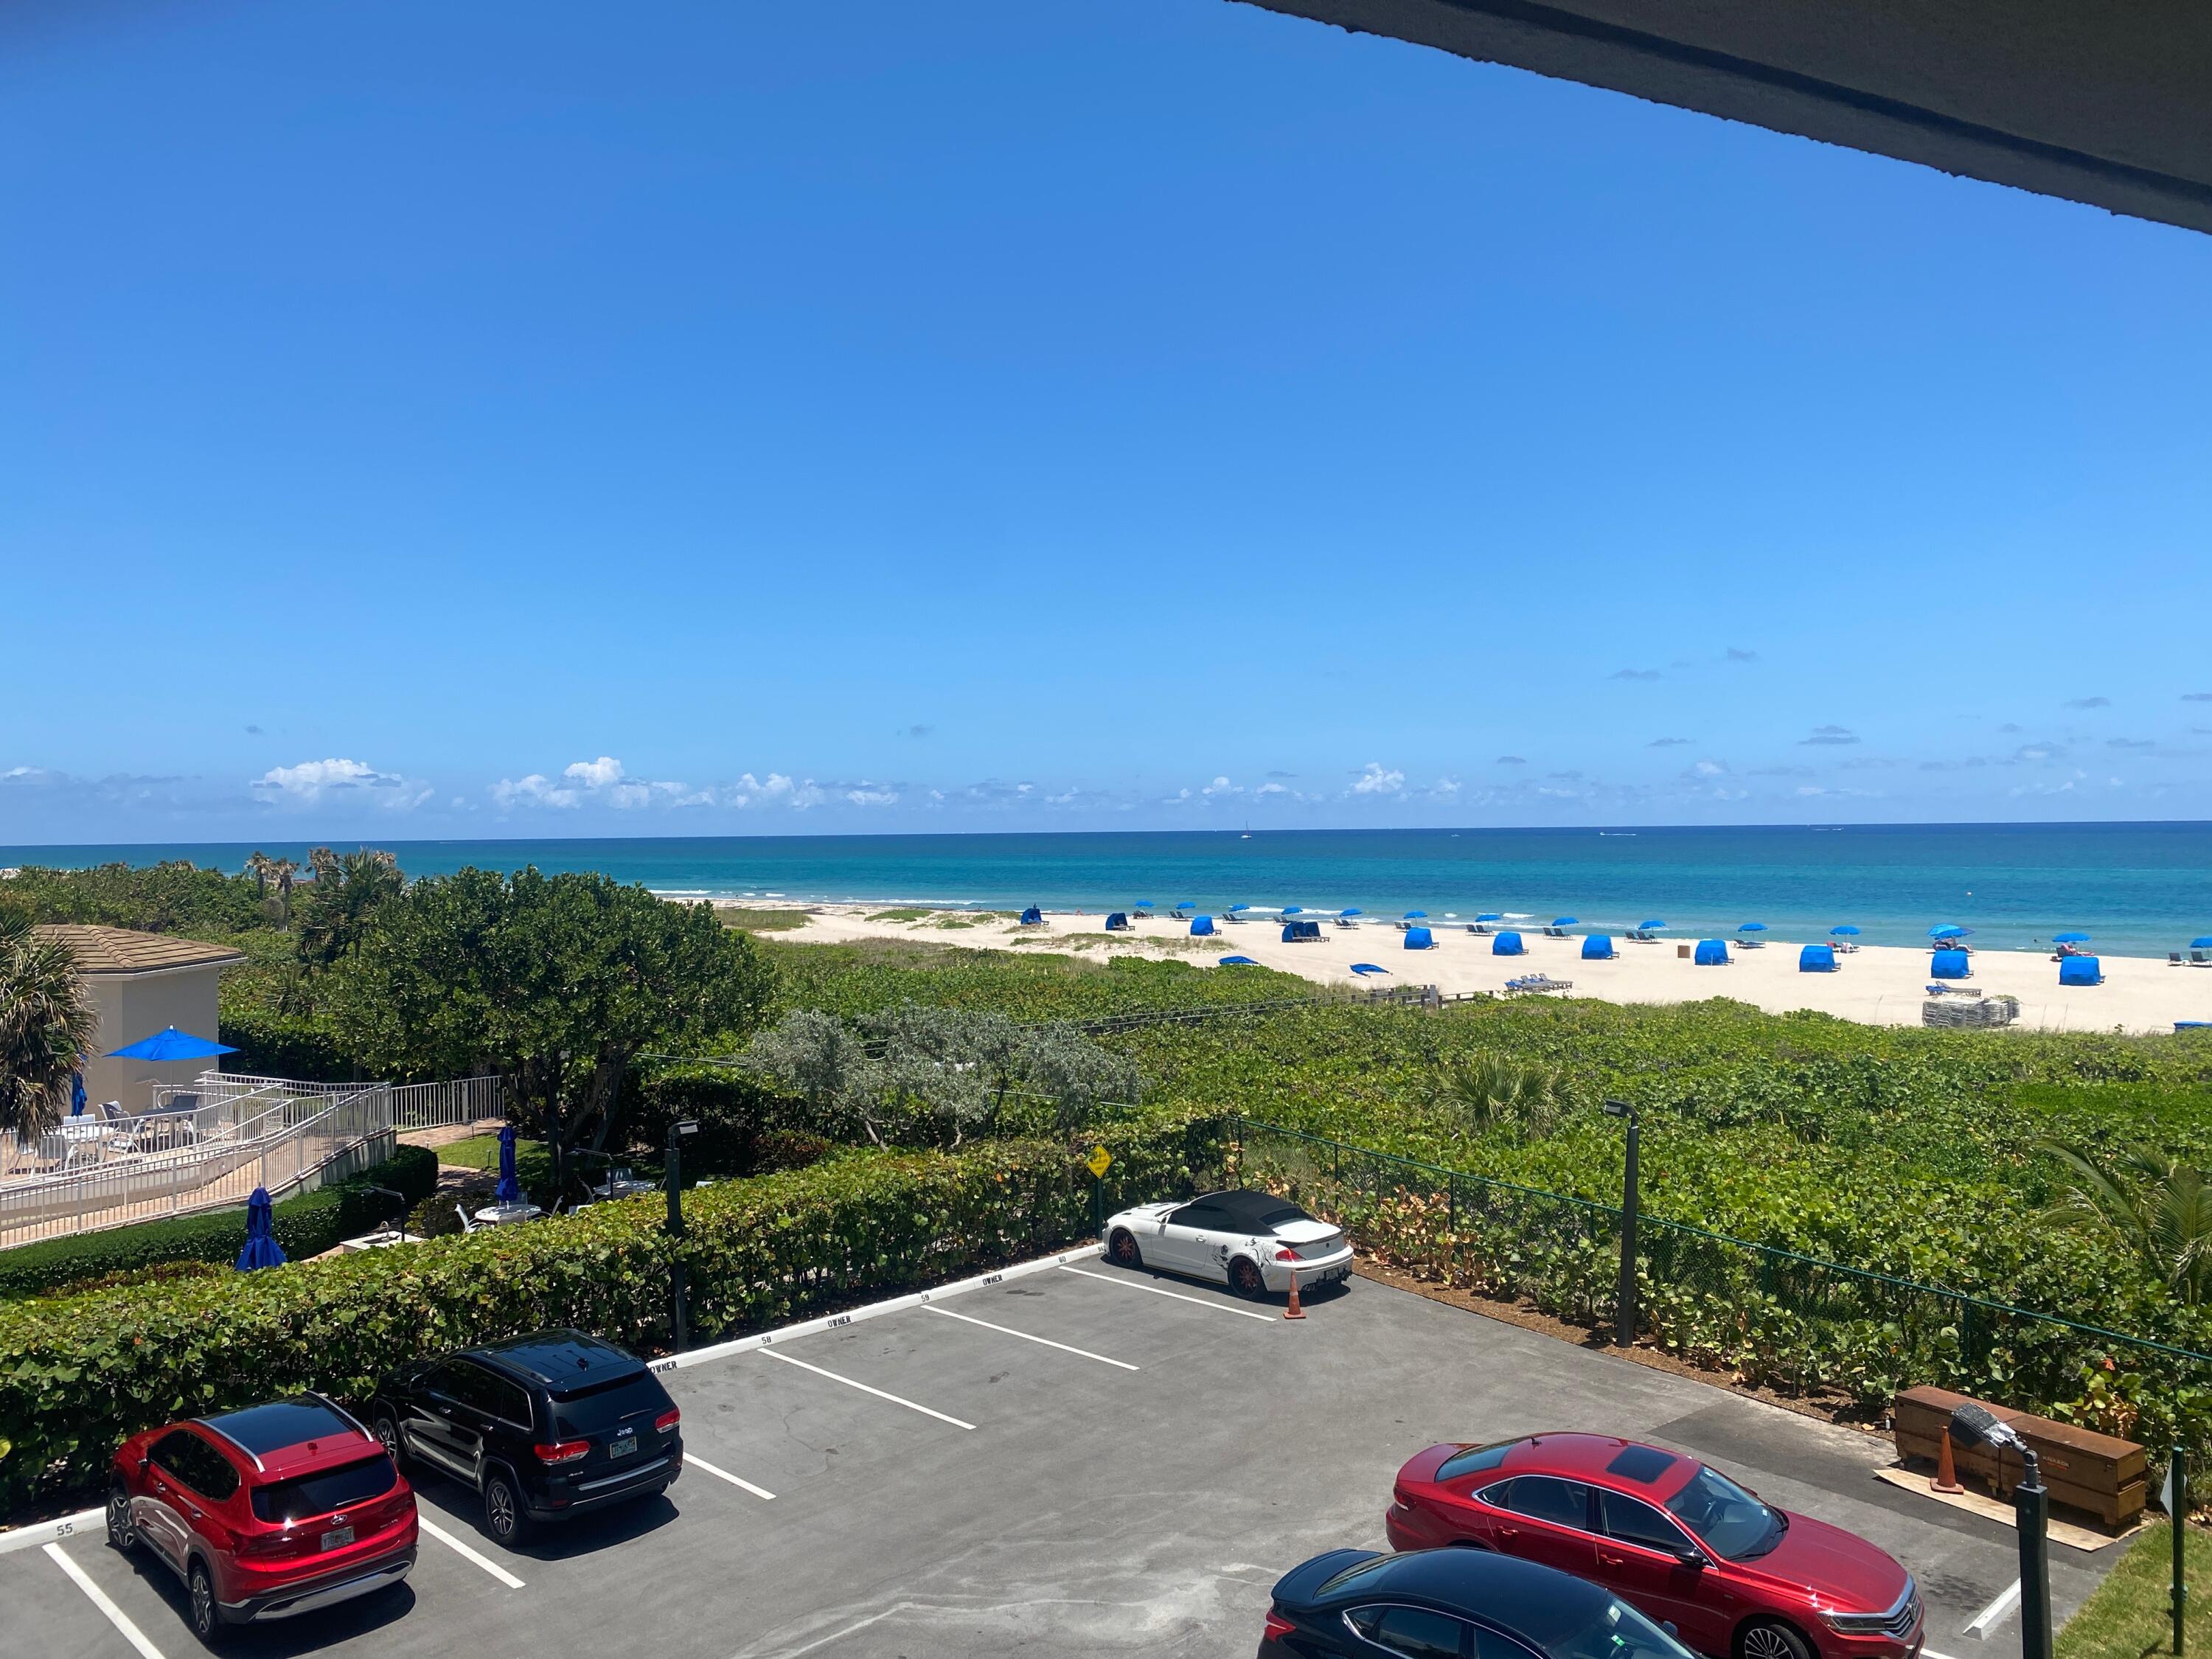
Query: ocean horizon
{"x": 2137, "y": 889}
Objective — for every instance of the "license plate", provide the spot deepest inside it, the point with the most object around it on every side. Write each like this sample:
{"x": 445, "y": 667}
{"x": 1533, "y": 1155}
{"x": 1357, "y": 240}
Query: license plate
{"x": 622, "y": 1447}
{"x": 337, "y": 1538}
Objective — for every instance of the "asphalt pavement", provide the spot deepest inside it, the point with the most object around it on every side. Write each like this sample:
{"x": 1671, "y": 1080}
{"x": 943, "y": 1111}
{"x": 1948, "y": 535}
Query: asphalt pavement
{"x": 1076, "y": 1462}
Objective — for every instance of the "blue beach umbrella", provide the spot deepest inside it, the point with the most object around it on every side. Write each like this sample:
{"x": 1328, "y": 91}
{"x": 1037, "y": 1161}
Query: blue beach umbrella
{"x": 262, "y": 1249}
{"x": 1416, "y": 916}
{"x": 2202, "y": 942}
{"x": 1238, "y": 909}
{"x": 1188, "y": 904}
{"x": 1646, "y": 926}
{"x": 1354, "y": 911}
{"x": 1238, "y": 961}
{"x": 509, "y": 1190}
{"x": 1368, "y": 968}
{"x": 170, "y": 1044}
{"x": 1948, "y": 930}
{"x": 1491, "y": 915}
{"x": 1566, "y": 921}
{"x": 1294, "y": 909}
{"x": 2070, "y": 939}
{"x": 1844, "y": 932}
{"x": 1143, "y": 904}
{"x": 1752, "y": 927}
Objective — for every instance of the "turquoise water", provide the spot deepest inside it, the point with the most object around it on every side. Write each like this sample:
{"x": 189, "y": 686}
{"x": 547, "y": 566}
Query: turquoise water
{"x": 2138, "y": 888}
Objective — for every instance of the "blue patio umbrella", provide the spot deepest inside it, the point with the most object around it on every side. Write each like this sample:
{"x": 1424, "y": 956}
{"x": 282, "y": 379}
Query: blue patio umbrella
{"x": 1948, "y": 930}
{"x": 1416, "y": 916}
{"x": 1844, "y": 932}
{"x": 1491, "y": 915}
{"x": 1368, "y": 968}
{"x": 170, "y": 1044}
{"x": 1646, "y": 926}
{"x": 1294, "y": 909}
{"x": 262, "y": 1249}
{"x": 1752, "y": 927}
{"x": 2070, "y": 939}
{"x": 1354, "y": 911}
{"x": 1238, "y": 961}
{"x": 1238, "y": 909}
{"x": 2202, "y": 942}
{"x": 1187, "y": 904}
{"x": 509, "y": 1190}
{"x": 1566, "y": 921}
{"x": 76, "y": 1094}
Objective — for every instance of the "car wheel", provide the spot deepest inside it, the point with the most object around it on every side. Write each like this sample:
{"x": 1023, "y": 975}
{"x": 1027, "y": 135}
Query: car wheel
{"x": 1122, "y": 1248}
{"x": 199, "y": 1593}
{"x": 1244, "y": 1278}
{"x": 1769, "y": 1639}
{"x": 503, "y": 1515}
{"x": 121, "y": 1533}
{"x": 388, "y": 1435}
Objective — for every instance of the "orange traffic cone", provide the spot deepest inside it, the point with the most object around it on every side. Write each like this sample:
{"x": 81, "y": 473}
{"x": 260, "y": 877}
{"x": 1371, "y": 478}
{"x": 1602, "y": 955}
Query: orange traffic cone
{"x": 1946, "y": 1474}
{"x": 1294, "y": 1311}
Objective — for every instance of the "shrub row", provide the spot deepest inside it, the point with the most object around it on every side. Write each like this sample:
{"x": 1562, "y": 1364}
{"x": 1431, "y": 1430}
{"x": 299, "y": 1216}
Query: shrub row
{"x": 305, "y": 1226}
{"x": 297, "y": 1046}
{"x": 78, "y": 1374}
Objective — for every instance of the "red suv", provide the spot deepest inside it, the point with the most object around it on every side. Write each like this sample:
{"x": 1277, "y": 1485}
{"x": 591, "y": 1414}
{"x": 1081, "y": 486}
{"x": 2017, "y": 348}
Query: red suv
{"x": 266, "y": 1512}
{"x": 1681, "y": 1542}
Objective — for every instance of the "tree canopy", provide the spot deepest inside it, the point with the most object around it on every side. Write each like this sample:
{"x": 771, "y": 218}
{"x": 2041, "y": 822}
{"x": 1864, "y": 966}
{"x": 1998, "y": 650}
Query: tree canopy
{"x": 47, "y": 1025}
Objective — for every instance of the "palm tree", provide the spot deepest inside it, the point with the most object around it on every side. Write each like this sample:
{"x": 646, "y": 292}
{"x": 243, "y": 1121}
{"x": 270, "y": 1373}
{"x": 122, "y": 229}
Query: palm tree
{"x": 283, "y": 870}
{"x": 47, "y": 1025}
{"x": 259, "y": 865}
{"x": 2155, "y": 1209}
{"x": 1493, "y": 1091}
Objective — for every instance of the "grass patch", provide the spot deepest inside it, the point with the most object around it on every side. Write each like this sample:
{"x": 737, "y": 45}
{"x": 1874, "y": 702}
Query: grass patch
{"x": 533, "y": 1162}
{"x": 907, "y": 913}
{"x": 761, "y": 921}
{"x": 2130, "y": 1616}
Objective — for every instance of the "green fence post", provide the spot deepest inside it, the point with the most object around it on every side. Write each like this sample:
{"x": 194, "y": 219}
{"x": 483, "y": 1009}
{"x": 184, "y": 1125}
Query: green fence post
{"x": 2177, "y": 1515}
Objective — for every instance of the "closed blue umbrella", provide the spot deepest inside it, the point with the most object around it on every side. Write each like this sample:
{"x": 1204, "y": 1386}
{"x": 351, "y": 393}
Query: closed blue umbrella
{"x": 1416, "y": 916}
{"x": 1368, "y": 968}
{"x": 170, "y": 1044}
{"x": 1844, "y": 932}
{"x": 1752, "y": 927}
{"x": 1238, "y": 961}
{"x": 509, "y": 1190}
{"x": 2070, "y": 939}
{"x": 262, "y": 1249}
{"x": 76, "y": 1094}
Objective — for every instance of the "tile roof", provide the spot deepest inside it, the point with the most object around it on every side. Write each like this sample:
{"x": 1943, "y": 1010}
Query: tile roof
{"x": 122, "y": 950}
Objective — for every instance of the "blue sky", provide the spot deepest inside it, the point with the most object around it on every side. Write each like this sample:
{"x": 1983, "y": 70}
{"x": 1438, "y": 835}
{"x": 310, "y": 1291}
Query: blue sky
{"x": 554, "y": 420}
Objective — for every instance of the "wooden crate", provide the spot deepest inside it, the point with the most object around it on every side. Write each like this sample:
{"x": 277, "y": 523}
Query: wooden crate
{"x": 2094, "y": 1474}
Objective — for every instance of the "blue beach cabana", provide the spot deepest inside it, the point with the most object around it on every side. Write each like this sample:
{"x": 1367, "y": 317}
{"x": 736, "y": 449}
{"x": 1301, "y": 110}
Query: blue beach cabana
{"x": 1817, "y": 959}
{"x": 1711, "y": 953}
{"x": 1952, "y": 964}
{"x": 1598, "y": 947}
{"x": 1418, "y": 939}
{"x": 1117, "y": 922}
{"x": 1200, "y": 926}
{"x": 1295, "y": 932}
{"x": 1508, "y": 945}
{"x": 2080, "y": 970}
{"x": 1033, "y": 917}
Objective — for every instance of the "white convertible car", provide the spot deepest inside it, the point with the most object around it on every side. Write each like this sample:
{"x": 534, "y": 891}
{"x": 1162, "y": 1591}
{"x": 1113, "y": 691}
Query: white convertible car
{"x": 1255, "y": 1241}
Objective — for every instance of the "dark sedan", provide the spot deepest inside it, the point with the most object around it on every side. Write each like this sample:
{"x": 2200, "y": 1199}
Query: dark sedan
{"x": 1451, "y": 1604}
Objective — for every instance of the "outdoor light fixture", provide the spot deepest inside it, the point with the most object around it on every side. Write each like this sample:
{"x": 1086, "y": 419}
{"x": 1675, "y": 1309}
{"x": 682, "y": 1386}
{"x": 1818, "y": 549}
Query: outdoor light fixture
{"x": 679, "y": 1310}
{"x": 1624, "y": 1297}
{"x": 1618, "y": 1109}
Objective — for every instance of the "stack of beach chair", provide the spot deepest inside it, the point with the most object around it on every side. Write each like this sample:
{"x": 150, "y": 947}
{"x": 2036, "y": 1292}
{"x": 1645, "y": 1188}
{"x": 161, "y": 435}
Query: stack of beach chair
{"x": 1969, "y": 1012}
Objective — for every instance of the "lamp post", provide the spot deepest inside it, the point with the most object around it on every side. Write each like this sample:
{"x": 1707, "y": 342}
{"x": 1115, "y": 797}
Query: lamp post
{"x": 2031, "y": 1504}
{"x": 1624, "y": 1298}
{"x": 679, "y": 1312}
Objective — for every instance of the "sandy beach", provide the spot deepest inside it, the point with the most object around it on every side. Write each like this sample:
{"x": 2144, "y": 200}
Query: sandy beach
{"x": 1878, "y": 985}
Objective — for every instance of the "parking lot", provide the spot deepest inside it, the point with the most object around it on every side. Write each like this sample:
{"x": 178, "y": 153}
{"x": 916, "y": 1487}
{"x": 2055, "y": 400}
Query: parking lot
{"x": 1074, "y": 1461}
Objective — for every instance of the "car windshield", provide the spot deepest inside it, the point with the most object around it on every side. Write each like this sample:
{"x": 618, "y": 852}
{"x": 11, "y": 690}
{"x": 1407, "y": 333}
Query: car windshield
{"x": 595, "y": 1410}
{"x": 1734, "y": 1524}
{"x": 1618, "y": 1631}
{"x": 1271, "y": 1219}
{"x": 306, "y": 1496}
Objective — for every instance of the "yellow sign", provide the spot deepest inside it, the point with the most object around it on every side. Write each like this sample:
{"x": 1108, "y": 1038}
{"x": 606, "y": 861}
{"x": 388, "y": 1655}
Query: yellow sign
{"x": 1099, "y": 1161}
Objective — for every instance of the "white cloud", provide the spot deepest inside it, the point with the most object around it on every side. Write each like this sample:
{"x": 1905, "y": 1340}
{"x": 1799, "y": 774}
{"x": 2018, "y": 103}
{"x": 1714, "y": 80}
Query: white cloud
{"x": 1221, "y": 787}
{"x": 1708, "y": 769}
{"x": 748, "y": 789}
{"x": 310, "y": 780}
{"x": 1271, "y": 789}
{"x": 865, "y": 796}
{"x": 535, "y": 790}
{"x": 594, "y": 774}
{"x": 1378, "y": 780}
{"x": 1444, "y": 787}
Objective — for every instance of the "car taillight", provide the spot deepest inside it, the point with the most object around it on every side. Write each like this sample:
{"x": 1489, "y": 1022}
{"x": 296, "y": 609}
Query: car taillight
{"x": 668, "y": 1420}
{"x": 1277, "y": 1628}
{"x": 562, "y": 1451}
{"x": 253, "y": 1544}
{"x": 1288, "y": 1255}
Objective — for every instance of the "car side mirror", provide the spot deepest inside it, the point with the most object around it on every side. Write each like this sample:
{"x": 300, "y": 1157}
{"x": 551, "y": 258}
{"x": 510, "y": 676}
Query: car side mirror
{"x": 1694, "y": 1559}
{"x": 145, "y": 1463}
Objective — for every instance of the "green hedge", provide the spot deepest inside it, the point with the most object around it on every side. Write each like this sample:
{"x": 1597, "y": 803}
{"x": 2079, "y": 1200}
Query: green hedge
{"x": 305, "y": 1226}
{"x": 76, "y": 1376}
{"x": 285, "y": 1045}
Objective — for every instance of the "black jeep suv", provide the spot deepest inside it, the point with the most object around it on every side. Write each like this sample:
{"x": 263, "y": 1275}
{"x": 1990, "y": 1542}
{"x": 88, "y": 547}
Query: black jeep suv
{"x": 543, "y": 1426}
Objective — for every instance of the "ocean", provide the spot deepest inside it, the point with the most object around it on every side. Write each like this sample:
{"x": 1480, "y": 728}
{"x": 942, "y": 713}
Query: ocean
{"x": 2137, "y": 889}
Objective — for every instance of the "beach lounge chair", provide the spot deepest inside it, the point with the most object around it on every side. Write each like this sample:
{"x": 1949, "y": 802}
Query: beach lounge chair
{"x": 1508, "y": 945}
{"x": 1817, "y": 959}
{"x": 1556, "y": 932}
{"x": 1712, "y": 953}
{"x": 2080, "y": 970}
{"x": 1419, "y": 938}
{"x": 1598, "y": 947}
{"x": 1345, "y": 922}
{"x": 1750, "y": 944}
{"x": 2173, "y": 958}
{"x": 1948, "y": 964}
{"x": 2200, "y": 958}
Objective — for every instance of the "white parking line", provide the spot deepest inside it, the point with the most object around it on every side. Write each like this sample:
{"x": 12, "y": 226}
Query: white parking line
{"x": 465, "y": 1552}
{"x": 724, "y": 1475}
{"x": 1996, "y": 1614}
{"x": 1042, "y": 1341}
{"x": 1198, "y": 1301}
{"x": 865, "y": 1388}
{"x": 1930, "y": 1653}
{"x": 99, "y": 1598}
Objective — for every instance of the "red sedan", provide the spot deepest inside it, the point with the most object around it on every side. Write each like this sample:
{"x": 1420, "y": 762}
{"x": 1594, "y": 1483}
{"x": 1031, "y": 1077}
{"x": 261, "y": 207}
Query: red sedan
{"x": 266, "y": 1512}
{"x": 1679, "y": 1541}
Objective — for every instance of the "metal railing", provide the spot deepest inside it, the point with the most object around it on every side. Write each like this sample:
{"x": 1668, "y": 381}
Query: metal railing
{"x": 1776, "y": 1316}
{"x": 464, "y": 1101}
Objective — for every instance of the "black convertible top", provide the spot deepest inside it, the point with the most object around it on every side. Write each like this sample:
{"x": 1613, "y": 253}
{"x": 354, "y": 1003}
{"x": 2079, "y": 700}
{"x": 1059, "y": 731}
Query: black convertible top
{"x": 1260, "y": 1212}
